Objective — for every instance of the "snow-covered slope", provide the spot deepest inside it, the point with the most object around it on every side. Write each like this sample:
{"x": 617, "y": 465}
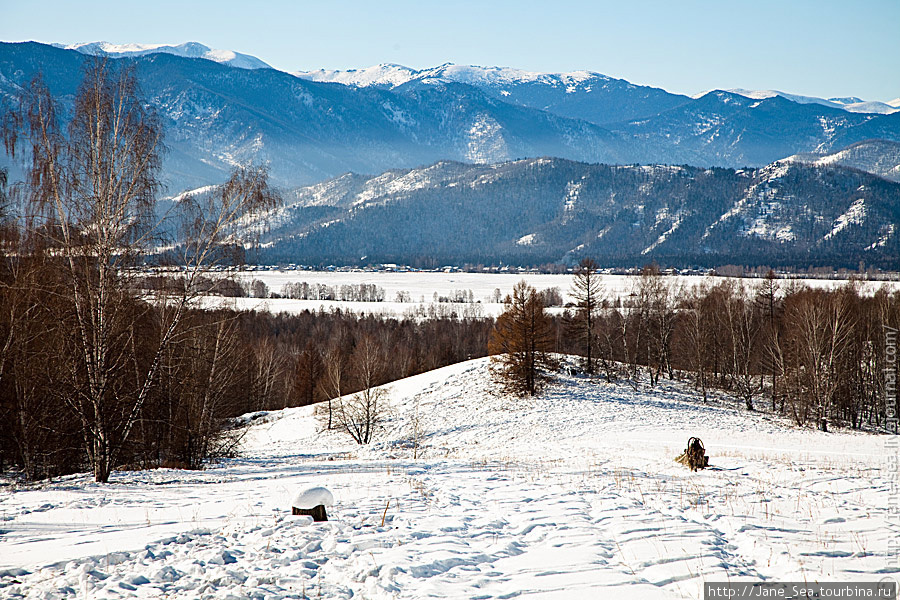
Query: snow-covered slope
{"x": 187, "y": 50}
{"x": 879, "y": 157}
{"x": 467, "y": 494}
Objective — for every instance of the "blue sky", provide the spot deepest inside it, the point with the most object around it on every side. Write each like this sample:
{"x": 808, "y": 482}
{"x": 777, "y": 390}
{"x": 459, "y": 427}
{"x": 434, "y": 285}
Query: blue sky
{"x": 821, "y": 48}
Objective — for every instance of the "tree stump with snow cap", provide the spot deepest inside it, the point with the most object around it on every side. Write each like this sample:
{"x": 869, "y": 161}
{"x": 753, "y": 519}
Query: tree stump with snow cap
{"x": 312, "y": 502}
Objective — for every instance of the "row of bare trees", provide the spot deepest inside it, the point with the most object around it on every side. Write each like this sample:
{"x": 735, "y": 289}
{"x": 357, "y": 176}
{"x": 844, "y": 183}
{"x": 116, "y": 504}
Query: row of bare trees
{"x": 358, "y": 292}
{"x": 218, "y": 365}
{"x": 85, "y": 352}
{"x": 339, "y": 359}
{"x": 816, "y": 355}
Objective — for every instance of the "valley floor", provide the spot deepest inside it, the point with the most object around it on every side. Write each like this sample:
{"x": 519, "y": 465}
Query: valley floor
{"x": 574, "y": 494}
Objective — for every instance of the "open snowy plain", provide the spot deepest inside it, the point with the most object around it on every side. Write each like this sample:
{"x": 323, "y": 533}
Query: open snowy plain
{"x": 470, "y": 494}
{"x": 421, "y": 288}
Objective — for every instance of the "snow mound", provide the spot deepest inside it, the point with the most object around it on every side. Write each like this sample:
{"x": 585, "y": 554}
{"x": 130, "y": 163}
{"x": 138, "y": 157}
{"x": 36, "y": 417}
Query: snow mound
{"x": 313, "y": 497}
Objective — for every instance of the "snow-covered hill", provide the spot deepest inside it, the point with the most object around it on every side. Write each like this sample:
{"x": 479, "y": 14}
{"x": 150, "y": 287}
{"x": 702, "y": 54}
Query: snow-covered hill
{"x": 186, "y": 50}
{"x": 573, "y": 494}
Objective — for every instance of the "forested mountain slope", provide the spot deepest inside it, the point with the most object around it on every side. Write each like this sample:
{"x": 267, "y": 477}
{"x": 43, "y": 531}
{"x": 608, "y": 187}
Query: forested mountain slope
{"x": 552, "y": 210}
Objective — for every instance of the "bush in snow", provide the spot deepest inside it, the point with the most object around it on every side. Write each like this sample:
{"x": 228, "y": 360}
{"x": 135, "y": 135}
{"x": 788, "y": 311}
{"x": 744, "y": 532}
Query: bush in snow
{"x": 363, "y": 413}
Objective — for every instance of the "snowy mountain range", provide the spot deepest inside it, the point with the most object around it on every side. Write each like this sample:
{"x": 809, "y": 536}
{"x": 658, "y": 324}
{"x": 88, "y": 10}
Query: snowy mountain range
{"x": 186, "y": 50}
{"x": 310, "y": 129}
{"x": 323, "y": 126}
{"x": 539, "y": 211}
{"x": 509, "y": 82}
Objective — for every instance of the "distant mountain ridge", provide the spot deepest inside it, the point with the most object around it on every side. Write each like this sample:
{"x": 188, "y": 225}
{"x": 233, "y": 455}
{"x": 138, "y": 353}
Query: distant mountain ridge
{"x": 507, "y": 79}
{"x": 186, "y": 50}
{"x": 585, "y": 95}
{"x": 393, "y": 75}
{"x": 851, "y": 103}
{"x": 216, "y": 117}
{"x": 537, "y": 211}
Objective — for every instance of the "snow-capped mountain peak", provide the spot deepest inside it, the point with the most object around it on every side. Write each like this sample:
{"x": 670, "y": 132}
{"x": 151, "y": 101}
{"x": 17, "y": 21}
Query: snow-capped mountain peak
{"x": 383, "y": 75}
{"x": 187, "y": 50}
{"x": 847, "y": 100}
{"x": 393, "y": 75}
{"x": 476, "y": 75}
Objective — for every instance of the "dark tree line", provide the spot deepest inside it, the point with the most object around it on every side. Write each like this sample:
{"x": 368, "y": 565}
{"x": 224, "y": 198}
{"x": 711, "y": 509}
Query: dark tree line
{"x": 221, "y": 364}
{"x": 314, "y": 356}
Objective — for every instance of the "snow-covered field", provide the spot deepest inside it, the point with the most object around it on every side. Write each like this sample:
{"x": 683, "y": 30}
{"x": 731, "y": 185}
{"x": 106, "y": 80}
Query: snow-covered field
{"x": 422, "y": 287}
{"x": 574, "y": 494}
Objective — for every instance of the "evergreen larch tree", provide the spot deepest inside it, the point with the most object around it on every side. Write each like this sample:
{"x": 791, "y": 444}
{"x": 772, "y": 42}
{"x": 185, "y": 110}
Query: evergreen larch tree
{"x": 588, "y": 292}
{"x": 521, "y": 343}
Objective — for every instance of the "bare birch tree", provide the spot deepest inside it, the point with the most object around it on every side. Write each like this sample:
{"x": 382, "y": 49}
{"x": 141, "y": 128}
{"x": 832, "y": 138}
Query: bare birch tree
{"x": 695, "y": 337}
{"x": 772, "y": 356}
{"x": 92, "y": 194}
{"x": 741, "y": 324}
{"x": 363, "y": 414}
{"x": 94, "y": 189}
{"x": 654, "y": 309}
{"x": 334, "y": 379}
{"x": 821, "y": 326}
